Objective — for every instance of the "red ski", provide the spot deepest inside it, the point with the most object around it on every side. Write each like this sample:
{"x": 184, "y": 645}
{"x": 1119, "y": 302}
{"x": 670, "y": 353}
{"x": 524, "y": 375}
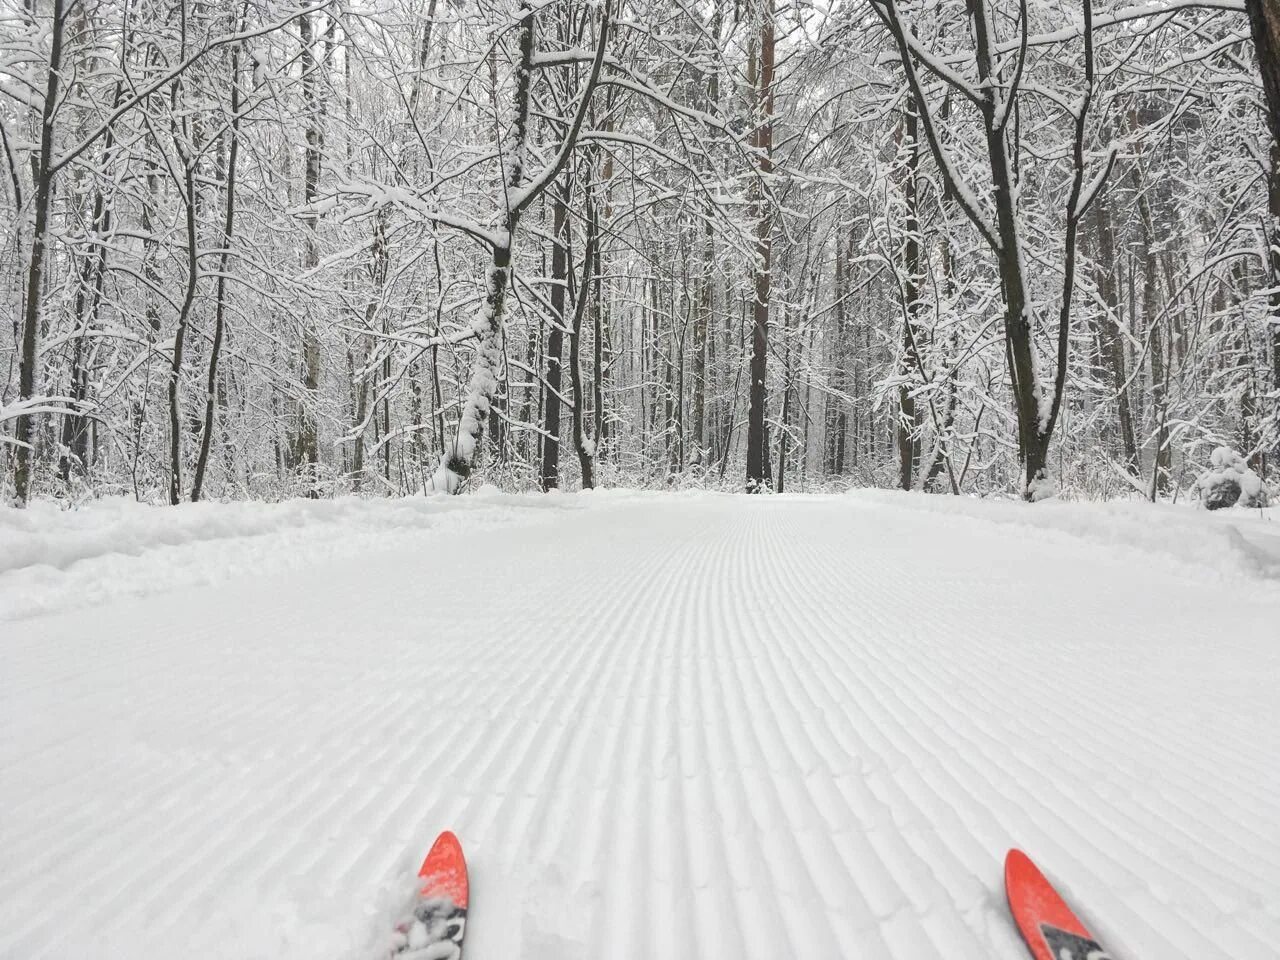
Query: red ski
{"x": 439, "y": 920}
{"x": 1051, "y": 930}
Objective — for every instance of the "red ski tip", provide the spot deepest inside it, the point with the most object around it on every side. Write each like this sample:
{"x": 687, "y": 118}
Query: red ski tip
{"x": 1045, "y": 921}
{"x": 444, "y": 872}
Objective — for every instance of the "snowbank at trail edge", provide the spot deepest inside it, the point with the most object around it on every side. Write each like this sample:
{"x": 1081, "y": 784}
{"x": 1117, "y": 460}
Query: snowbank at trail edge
{"x": 53, "y": 558}
{"x": 1227, "y": 545}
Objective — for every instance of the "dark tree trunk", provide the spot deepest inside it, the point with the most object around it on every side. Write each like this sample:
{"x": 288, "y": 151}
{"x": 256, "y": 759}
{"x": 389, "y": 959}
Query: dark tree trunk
{"x": 1036, "y": 411}
{"x": 598, "y": 373}
{"x": 180, "y": 334}
{"x": 582, "y": 444}
{"x": 306, "y": 453}
{"x": 220, "y": 302}
{"x": 1110, "y": 340}
{"x": 1273, "y": 264}
{"x": 75, "y": 426}
{"x": 26, "y": 425}
{"x": 701, "y": 322}
{"x": 1156, "y": 323}
{"x": 837, "y": 417}
{"x": 188, "y": 151}
{"x": 758, "y": 473}
{"x": 908, "y": 416}
{"x": 555, "y": 340}
{"x": 1264, "y": 23}
{"x": 784, "y": 427}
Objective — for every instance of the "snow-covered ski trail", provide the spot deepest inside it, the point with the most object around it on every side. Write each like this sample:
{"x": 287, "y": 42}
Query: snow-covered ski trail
{"x": 695, "y": 728}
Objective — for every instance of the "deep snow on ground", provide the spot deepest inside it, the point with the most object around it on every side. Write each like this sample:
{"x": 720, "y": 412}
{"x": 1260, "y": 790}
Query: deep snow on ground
{"x": 701, "y": 727}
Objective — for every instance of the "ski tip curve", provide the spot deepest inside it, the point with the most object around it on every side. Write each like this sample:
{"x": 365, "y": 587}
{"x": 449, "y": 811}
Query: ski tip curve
{"x": 1047, "y": 924}
{"x": 444, "y": 871}
{"x": 1017, "y": 866}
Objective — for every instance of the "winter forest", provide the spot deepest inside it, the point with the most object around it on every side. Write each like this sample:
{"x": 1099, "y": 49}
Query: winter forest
{"x": 981, "y": 300}
{"x": 255, "y": 249}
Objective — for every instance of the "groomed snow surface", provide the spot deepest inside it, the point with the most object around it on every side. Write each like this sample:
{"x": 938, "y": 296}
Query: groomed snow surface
{"x": 666, "y": 727}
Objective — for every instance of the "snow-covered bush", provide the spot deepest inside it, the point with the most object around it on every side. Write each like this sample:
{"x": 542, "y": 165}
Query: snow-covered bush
{"x": 1041, "y": 488}
{"x": 1229, "y": 482}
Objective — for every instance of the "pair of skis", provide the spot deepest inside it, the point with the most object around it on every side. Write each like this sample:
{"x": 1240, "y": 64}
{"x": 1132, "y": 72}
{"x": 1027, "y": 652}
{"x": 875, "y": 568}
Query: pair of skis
{"x": 439, "y": 921}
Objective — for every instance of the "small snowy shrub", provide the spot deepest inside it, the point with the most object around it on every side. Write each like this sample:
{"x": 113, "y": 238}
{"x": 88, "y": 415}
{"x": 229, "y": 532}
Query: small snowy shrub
{"x": 1230, "y": 482}
{"x": 1041, "y": 488}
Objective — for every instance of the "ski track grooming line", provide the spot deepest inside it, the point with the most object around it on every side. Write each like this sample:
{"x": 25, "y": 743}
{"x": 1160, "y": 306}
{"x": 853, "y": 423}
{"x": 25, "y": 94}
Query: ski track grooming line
{"x": 929, "y": 763}
{"x": 911, "y": 881}
{"x": 695, "y": 728}
{"x": 1015, "y": 777}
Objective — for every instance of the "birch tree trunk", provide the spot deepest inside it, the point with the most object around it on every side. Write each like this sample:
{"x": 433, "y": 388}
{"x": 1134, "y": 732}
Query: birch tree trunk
{"x": 306, "y": 453}
{"x": 459, "y": 459}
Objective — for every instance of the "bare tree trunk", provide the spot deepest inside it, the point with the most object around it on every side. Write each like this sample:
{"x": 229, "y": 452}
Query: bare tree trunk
{"x": 583, "y": 444}
{"x": 908, "y": 417}
{"x": 555, "y": 338}
{"x": 76, "y": 445}
{"x": 1023, "y": 368}
{"x": 836, "y": 421}
{"x": 75, "y": 426}
{"x": 182, "y": 138}
{"x": 1037, "y": 412}
{"x": 379, "y": 264}
{"x": 677, "y": 370}
{"x": 424, "y": 53}
{"x": 941, "y": 457}
{"x": 224, "y": 264}
{"x": 26, "y": 425}
{"x": 762, "y": 141}
{"x": 701, "y": 321}
{"x": 460, "y": 459}
{"x": 306, "y": 443}
{"x": 359, "y": 412}
{"x": 1264, "y": 23}
{"x": 668, "y": 386}
{"x": 706, "y": 292}
{"x": 1162, "y": 461}
{"x": 1273, "y": 299}
{"x": 598, "y": 316}
{"x": 784, "y": 427}
{"x": 1111, "y": 341}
